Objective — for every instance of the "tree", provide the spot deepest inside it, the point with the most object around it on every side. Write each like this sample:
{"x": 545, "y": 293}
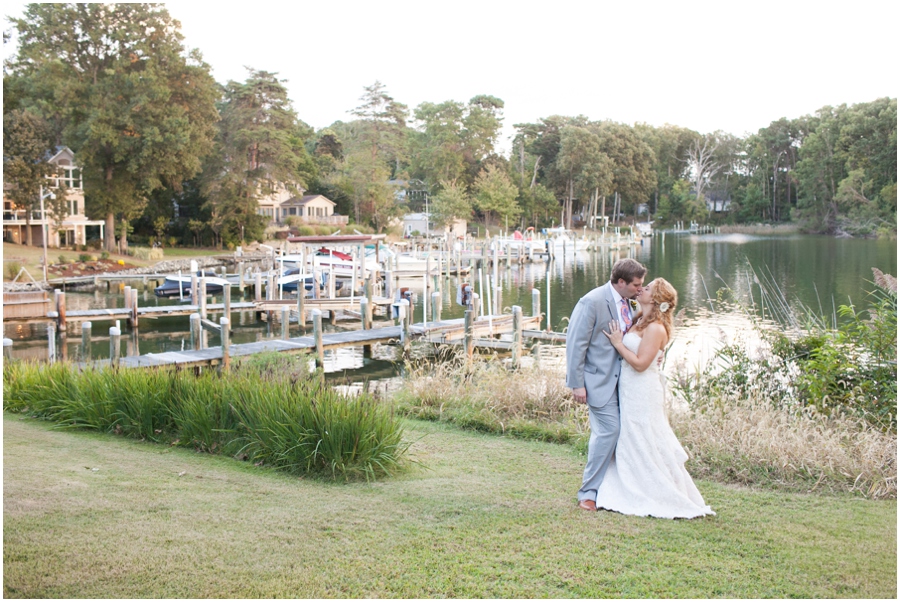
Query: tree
{"x": 586, "y": 169}
{"x": 702, "y": 163}
{"x": 26, "y": 141}
{"x": 450, "y": 203}
{"x": 139, "y": 109}
{"x": 259, "y": 151}
{"x": 495, "y": 193}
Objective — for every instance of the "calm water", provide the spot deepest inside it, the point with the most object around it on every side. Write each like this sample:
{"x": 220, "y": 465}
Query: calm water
{"x": 817, "y": 272}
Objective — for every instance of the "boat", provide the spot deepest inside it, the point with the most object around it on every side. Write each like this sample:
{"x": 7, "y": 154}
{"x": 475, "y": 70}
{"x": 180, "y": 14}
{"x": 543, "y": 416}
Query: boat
{"x": 336, "y": 262}
{"x": 180, "y": 285}
{"x": 290, "y": 281}
{"x": 645, "y": 228}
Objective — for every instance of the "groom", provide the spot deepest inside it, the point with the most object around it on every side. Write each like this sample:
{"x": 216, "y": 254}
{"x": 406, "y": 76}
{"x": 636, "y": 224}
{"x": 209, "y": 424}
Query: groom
{"x": 593, "y": 364}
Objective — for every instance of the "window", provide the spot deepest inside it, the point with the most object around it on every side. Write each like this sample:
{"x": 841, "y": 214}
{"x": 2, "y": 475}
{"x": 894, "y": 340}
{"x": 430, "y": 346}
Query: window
{"x": 73, "y": 207}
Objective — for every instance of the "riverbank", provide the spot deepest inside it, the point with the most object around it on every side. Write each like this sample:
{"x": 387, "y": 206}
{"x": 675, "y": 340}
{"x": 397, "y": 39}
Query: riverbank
{"x": 89, "y": 515}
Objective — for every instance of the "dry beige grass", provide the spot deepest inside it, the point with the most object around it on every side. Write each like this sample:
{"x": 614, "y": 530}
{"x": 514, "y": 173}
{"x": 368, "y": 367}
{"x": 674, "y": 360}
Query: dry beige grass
{"x": 754, "y": 443}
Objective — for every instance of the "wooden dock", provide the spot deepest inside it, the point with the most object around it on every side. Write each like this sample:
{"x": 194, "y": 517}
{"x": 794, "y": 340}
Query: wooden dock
{"x": 442, "y": 332}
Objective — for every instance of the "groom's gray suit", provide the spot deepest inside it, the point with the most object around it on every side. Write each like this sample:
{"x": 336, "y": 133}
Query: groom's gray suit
{"x": 593, "y": 363}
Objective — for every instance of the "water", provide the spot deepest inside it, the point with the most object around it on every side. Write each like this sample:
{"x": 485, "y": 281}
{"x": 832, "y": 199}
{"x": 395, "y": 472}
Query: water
{"x": 815, "y": 272}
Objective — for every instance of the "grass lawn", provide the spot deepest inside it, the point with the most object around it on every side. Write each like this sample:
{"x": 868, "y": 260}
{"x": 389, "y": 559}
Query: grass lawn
{"x": 96, "y": 516}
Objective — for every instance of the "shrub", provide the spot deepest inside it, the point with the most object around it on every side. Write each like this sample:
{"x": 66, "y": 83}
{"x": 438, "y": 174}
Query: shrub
{"x": 62, "y": 259}
{"x": 146, "y": 253}
{"x": 84, "y": 257}
{"x": 104, "y": 255}
{"x": 12, "y": 269}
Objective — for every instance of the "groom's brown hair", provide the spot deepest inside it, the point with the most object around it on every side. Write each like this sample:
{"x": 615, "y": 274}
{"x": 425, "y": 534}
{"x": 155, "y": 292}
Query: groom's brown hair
{"x": 627, "y": 270}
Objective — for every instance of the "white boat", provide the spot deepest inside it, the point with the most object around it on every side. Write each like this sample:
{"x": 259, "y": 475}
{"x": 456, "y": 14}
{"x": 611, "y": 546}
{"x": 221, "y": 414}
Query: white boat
{"x": 335, "y": 262}
{"x": 645, "y": 228}
{"x": 180, "y": 286}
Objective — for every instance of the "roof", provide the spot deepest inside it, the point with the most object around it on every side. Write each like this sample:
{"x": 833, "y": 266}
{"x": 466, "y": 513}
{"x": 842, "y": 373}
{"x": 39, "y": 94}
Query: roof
{"x": 297, "y": 202}
{"x": 338, "y": 239}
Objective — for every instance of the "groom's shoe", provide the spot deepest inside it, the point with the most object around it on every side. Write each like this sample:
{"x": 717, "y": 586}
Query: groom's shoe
{"x": 588, "y": 505}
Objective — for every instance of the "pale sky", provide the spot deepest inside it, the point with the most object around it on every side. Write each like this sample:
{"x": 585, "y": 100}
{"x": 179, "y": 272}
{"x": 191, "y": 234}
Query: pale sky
{"x": 702, "y": 65}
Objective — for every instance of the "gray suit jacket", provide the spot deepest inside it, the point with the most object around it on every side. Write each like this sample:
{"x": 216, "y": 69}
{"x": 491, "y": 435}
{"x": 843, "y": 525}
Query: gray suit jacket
{"x": 591, "y": 360}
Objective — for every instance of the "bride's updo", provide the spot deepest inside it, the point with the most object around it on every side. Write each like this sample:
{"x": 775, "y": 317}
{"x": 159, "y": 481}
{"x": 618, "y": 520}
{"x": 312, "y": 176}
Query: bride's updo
{"x": 665, "y": 298}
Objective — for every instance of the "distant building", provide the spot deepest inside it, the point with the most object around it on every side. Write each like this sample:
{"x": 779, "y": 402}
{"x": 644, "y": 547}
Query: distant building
{"x": 74, "y": 228}
{"x": 312, "y": 208}
{"x": 717, "y": 201}
{"x": 421, "y": 223}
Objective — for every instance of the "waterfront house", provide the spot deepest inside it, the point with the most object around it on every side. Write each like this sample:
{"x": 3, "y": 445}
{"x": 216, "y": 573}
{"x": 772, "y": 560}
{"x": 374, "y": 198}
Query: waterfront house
{"x": 73, "y": 228}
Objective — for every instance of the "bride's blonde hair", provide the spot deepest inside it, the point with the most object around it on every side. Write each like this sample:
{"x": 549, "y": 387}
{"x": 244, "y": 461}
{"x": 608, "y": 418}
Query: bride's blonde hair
{"x": 663, "y": 292}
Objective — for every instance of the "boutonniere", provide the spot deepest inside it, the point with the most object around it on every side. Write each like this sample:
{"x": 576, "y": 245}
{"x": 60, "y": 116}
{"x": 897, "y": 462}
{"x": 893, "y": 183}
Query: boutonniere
{"x": 633, "y": 304}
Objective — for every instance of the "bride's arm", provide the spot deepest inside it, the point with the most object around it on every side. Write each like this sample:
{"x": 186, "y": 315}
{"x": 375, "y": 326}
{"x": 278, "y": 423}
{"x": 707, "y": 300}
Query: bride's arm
{"x": 651, "y": 343}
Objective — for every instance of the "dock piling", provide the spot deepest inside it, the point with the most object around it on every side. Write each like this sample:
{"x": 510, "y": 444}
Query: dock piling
{"x": 517, "y": 336}
{"x": 435, "y": 307}
{"x": 470, "y": 332}
{"x": 226, "y": 343}
{"x": 115, "y": 336}
{"x": 404, "y": 323}
{"x": 285, "y": 322}
{"x": 195, "y": 331}
{"x": 86, "y": 341}
{"x": 51, "y": 337}
{"x": 7, "y": 349}
{"x": 226, "y": 293}
{"x": 134, "y": 308}
{"x": 195, "y": 291}
{"x": 535, "y": 303}
{"x": 317, "y": 335}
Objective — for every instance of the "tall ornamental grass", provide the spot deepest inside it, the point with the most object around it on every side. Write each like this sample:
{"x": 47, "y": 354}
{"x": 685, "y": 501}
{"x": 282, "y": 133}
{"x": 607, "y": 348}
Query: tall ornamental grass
{"x": 293, "y": 424}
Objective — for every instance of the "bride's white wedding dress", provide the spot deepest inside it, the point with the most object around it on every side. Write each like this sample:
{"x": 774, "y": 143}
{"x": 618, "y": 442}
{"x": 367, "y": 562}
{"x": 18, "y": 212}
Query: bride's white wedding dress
{"x": 647, "y": 476}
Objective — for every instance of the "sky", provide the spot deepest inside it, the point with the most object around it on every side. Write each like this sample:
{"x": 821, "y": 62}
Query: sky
{"x": 706, "y": 66}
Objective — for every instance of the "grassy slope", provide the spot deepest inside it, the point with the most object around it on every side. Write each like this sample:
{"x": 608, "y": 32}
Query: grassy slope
{"x": 485, "y": 517}
{"x": 30, "y": 257}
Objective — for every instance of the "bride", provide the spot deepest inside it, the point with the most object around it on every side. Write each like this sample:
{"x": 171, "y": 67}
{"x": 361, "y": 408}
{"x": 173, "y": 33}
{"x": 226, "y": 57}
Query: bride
{"x": 647, "y": 476}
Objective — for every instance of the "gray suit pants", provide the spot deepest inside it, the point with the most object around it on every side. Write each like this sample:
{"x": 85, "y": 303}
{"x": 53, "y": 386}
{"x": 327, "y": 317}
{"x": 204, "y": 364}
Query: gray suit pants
{"x": 601, "y": 447}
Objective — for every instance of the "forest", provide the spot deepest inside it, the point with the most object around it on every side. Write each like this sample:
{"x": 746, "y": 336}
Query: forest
{"x": 170, "y": 154}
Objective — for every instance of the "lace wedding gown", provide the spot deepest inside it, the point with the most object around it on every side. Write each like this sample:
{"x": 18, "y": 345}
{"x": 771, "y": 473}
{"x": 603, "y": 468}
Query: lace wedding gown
{"x": 647, "y": 476}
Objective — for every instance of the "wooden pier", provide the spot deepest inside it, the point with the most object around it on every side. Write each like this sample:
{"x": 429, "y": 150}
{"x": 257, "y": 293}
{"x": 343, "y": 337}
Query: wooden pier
{"x": 439, "y": 333}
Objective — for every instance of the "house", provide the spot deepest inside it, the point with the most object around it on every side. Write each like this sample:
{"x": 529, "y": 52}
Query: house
{"x": 71, "y": 229}
{"x": 269, "y": 205}
{"x": 717, "y": 201}
{"x": 421, "y": 223}
{"x": 311, "y": 209}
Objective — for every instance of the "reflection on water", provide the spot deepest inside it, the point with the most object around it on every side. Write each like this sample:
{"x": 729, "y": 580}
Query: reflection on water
{"x": 809, "y": 272}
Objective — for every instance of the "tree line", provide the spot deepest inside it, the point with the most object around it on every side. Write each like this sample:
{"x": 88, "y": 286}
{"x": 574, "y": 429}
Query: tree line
{"x": 167, "y": 150}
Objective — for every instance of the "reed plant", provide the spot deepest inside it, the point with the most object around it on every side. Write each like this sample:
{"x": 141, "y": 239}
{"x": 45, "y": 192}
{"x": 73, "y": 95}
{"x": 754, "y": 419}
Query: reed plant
{"x": 277, "y": 419}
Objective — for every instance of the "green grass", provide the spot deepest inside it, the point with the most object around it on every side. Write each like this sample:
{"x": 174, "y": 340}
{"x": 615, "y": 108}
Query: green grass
{"x": 479, "y": 516}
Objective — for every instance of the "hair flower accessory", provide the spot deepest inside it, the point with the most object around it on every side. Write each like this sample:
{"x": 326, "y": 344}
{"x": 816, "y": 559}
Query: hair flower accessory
{"x": 664, "y": 306}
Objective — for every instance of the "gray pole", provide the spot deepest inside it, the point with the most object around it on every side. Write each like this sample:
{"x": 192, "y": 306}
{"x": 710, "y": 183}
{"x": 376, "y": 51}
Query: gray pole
{"x": 202, "y": 297}
{"x": 86, "y": 341}
{"x": 301, "y": 301}
{"x": 258, "y": 289}
{"x": 114, "y": 345}
{"x": 134, "y": 308}
{"x": 195, "y": 331}
{"x": 226, "y": 344}
{"x": 536, "y": 304}
{"x": 435, "y": 307}
{"x": 364, "y": 312}
{"x": 226, "y": 293}
{"x": 285, "y": 322}
{"x": 51, "y": 337}
{"x": 194, "y": 290}
{"x": 470, "y": 332}
{"x": 404, "y": 323}
{"x": 317, "y": 335}
{"x": 517, "y": 335}
{"x": 7, "y": 349}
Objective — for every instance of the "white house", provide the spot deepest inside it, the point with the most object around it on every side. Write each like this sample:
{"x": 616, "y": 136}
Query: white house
{"x": 420, "y": 223}
{"x": 74, "y": 228}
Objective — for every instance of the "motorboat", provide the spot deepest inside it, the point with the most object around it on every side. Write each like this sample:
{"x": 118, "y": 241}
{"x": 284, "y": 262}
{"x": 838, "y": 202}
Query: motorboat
{"x": 180, "y": 285}
{"x": 338, "y": 263}
{"x": 290, "y": 281}
{"x": 645, "y": 228}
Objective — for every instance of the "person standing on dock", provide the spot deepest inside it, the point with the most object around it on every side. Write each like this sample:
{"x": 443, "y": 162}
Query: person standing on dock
{"x": 593, "y": 366}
